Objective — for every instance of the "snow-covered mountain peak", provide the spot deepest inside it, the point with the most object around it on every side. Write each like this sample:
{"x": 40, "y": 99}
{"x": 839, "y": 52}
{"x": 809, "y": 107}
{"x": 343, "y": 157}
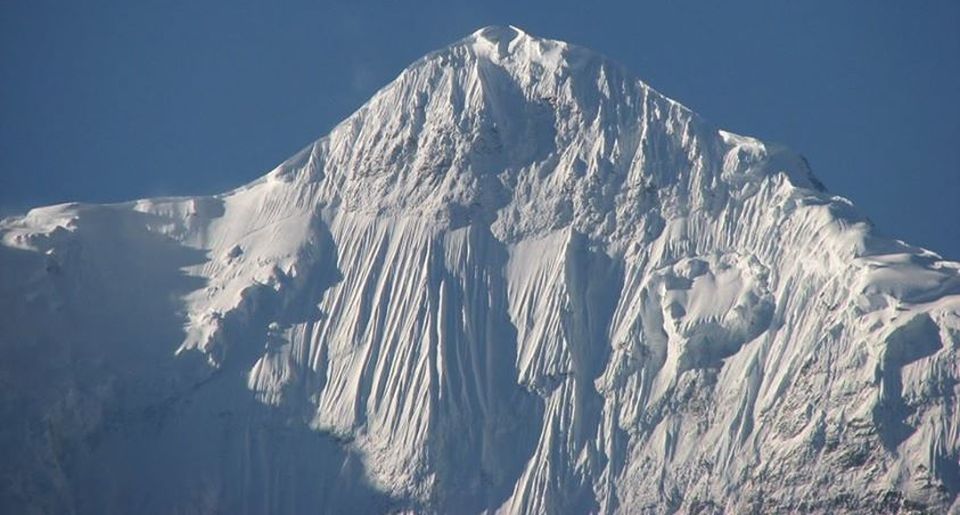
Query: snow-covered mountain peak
{"x": 509, "y": 45}
{"x": 517, "y": 279}
{"x": 501, "y": 36}
{"x": 536, "y": 133}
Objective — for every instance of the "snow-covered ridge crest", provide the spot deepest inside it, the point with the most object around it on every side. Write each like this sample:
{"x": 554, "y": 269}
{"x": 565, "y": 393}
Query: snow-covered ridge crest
{"x": 518, "y": 279}
{"x": 559, "y": 128}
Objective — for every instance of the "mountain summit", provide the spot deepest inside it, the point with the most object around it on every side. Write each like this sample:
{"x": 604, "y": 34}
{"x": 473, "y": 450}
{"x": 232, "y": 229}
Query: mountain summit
{"x": 518, "y": 279}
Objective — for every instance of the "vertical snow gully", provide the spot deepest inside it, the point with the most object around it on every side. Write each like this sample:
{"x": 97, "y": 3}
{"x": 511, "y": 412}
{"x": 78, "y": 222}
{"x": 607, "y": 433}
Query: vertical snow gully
{"x": 486, "y": 423}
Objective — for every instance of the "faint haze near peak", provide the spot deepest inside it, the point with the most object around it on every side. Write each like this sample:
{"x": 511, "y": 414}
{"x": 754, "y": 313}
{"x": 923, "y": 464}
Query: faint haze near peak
{"x": 110, "y": 100}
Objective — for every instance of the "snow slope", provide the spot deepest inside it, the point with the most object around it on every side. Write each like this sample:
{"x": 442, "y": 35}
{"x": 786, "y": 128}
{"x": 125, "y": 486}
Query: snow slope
{"x": 519, "y": 280}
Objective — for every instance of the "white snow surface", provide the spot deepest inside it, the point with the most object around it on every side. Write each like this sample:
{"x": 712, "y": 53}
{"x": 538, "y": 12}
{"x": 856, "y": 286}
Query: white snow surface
{"x": 517, "y": 280}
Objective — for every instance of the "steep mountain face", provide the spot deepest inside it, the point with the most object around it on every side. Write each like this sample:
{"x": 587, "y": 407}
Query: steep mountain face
{"x": 519, "y": 280}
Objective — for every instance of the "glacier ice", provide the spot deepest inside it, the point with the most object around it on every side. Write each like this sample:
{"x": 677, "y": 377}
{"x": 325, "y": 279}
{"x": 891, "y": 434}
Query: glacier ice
{"x": 517, "y": 280}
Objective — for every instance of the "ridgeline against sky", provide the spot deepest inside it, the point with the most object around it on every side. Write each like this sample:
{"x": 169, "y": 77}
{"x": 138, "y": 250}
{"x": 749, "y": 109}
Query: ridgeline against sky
{"x": 110, "y": 101}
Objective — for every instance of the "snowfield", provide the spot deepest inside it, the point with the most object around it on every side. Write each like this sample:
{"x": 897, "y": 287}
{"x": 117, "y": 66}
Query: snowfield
{"x": 517, "y": 280}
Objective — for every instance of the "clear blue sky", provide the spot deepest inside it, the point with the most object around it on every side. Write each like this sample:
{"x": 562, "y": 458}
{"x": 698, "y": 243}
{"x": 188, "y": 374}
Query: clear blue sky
{"x": 108, "y": 101}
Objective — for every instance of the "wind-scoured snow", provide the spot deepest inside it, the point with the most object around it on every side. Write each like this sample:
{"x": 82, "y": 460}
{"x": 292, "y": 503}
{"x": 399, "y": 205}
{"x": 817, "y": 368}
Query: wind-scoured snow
{"x": 517, "y": 280}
